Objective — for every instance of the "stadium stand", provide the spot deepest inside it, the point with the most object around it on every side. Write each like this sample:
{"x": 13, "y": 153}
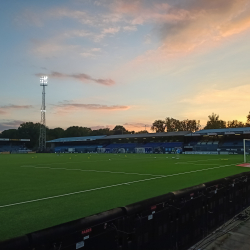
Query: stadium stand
{"x": 13, "y": 145}
{"x": 228, "y": 140}
{"x": 126, "y": 143}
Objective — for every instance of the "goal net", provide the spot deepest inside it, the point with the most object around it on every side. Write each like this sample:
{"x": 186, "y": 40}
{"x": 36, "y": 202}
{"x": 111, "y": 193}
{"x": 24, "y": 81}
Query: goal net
{"x": 121, "y": 150}
{"x": 101, "y": 150}
{"x": 140, "y": 150}
{"x": 246, "y": 149}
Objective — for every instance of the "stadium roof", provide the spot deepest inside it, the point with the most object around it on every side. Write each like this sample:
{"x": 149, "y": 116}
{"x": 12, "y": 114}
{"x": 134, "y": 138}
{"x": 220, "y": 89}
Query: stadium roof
{"x": 109, "y": 137}
{"x": 148, "y": 135}
{"x": 7, "y": 139}
{"x": 83, "y": 138}
{"x": 221, "y": 131}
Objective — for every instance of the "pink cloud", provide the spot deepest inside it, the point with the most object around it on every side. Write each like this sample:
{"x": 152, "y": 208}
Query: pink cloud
{"x": 101, "y": 127}
{"x": 130, "y": 28}
{"x": 111, "y": 30}
{"x": 188, "y": 25}
{"x": 3, "y": 109}
{"x": 66, "y": 107}
{"x": 9, "y": 124}
{"x": 81, "y": 77}
{"x": 12, "y": 106}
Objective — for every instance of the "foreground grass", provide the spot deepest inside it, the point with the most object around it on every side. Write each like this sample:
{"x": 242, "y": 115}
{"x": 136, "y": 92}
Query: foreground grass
{"x": 29, "y": 177}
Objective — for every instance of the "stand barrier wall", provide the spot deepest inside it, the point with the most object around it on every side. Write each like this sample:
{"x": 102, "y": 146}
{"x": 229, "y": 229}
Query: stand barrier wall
{"x": 176, "y": 220}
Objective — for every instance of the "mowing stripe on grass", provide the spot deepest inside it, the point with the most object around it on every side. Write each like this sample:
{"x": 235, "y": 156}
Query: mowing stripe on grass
{"x": 78, "y": 192}
{"x": 112, "y": 159}
{"x": 100, "y": 171}
{"x": 115, "y": 185}
{"x": 87, "y": 170}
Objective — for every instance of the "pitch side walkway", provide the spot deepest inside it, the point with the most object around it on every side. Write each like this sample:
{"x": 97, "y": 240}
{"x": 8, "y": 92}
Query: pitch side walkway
{"x": 238, "y": 238}
{"x": 234, "y": 236}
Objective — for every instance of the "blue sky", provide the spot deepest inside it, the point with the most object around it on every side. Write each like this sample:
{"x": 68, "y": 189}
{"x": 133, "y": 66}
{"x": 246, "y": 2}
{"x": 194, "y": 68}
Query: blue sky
{"x": 113, "y": 62}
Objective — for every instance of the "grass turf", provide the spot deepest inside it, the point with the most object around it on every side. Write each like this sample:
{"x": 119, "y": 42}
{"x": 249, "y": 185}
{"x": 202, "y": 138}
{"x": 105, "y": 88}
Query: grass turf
{"x": 105, "y": 180}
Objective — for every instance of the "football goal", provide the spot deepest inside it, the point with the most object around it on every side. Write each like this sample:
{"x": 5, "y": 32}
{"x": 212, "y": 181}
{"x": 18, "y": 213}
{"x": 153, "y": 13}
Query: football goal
{"x": 121, "y": 150}
{"x": 101, "y": 150}
{"x": 140, "y": 150}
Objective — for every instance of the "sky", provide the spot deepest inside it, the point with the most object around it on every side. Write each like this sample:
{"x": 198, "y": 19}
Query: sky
{"x": 124, "y": 62}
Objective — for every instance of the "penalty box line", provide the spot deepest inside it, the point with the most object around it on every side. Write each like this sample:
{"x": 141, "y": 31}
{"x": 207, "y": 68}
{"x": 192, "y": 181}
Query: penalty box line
{"x": 105, "y": 187}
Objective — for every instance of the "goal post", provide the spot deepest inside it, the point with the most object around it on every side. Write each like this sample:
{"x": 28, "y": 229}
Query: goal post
{"x": 245, "y": 149}
{"x": 101, "y": 150}
{"x": 121, "y": 150}
{"x": 140, "y": 150}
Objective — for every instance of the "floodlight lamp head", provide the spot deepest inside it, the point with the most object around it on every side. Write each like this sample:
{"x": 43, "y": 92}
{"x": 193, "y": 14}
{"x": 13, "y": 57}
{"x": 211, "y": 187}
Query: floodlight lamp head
{"x": 43, "y": 80}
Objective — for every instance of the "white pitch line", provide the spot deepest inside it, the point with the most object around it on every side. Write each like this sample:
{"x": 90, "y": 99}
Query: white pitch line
{"x": 115, "y": 185}
{"x": 78, "y": 192}
{"x": 199, "y": 170}
{"x": 91, "y": 170}
{"x": 187, "y": 162}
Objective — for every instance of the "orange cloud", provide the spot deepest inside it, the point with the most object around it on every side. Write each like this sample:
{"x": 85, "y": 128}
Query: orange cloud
{"x": 137, "y": 126}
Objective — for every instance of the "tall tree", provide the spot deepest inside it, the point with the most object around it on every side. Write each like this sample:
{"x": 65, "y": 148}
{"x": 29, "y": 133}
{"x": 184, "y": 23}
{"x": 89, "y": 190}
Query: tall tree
{"x": 214, "y": 122}
{"x": 55, "y": 133}
{"x": 76, "y": 131}
{"x": 189, "y": 125}
{"x": 101, "y": 131}
{"x": 248, "y": 120}
{"x": 30, "y": 130}
{"x": 119, "y": 129}
{"x": 142, "y": 132}
{"x": 172, "y": 125}
{"x": 158, "y": 126}
{"x": 10, "y": 134}
{"x": 235, "y": 124}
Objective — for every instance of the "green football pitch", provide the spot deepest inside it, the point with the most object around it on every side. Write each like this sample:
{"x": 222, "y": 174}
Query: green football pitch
{"x": 42, "y": 190}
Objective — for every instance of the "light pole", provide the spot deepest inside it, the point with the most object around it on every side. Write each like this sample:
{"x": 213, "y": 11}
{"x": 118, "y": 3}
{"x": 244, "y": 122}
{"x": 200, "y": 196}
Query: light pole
{"x": 42, "y": 137}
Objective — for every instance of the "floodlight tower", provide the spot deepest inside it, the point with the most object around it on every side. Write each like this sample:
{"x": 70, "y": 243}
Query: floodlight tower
{"x": 42, "y": 137}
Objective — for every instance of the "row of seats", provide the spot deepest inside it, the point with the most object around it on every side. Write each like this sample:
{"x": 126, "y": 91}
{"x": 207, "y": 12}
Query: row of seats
{"x": 11, "y": 148}
{"x": 77, "y": 148}
{"x": 146, "y": 145}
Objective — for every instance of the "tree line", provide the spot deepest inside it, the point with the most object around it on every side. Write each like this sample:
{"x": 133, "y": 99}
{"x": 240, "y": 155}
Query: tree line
{"x": 30, "y": 130}
{"x": 214, "y": 122}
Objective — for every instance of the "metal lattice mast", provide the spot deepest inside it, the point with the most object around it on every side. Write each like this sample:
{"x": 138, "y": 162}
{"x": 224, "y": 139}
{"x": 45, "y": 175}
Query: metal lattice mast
{"x": 42, "y": 137}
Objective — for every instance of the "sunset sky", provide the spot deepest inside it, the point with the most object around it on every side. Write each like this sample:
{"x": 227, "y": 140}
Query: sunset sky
{"x": 124, "y": 62}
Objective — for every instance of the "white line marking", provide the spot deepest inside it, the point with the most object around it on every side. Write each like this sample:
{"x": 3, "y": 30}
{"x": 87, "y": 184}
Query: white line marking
{"x": 115, "y": 185}
{"x": 187, "y": 162}
{"x": 78, "y": 192}
{"x": 87, "y": 170}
